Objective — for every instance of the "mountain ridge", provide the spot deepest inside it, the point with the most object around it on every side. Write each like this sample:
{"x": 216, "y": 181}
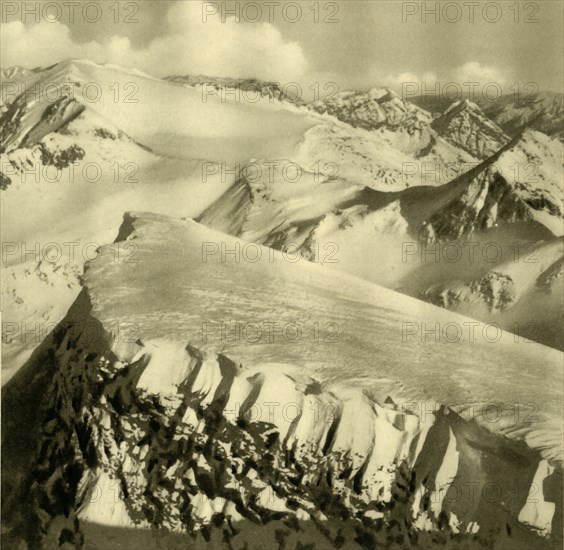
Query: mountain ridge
{"x": 124, "y": 397}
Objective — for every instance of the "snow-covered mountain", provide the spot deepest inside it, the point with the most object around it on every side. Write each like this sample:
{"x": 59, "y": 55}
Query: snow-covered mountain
{"x": 13, "y": 81}
{"x": 81, "y": 167}
{"x": 161, "y": 422}
{"x": 119, "y": 378}
{"x": 354, "y": 161}
{"x": 329, "y": 221}
{"x": 513, "y": 113}
{"x": 394, "y": 139}
{"x": 519, "y": 183}
{"x": 252, "y": 88}
{"x": 542, "y": 111}
{"x": 376, "y": 108}
{"x": 465, "y": 125}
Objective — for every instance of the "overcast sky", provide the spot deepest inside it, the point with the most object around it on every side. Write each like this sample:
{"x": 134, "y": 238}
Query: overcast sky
{"x": 357, "y": 44}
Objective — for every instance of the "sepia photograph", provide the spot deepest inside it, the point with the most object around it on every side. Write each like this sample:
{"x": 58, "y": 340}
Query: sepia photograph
{"x": 282, "y": 275}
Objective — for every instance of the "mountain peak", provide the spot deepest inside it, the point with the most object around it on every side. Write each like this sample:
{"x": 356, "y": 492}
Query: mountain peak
{"x": 461, "y": 105}
{"x": 382, "y": 93}
{"x": 465, "y": 125}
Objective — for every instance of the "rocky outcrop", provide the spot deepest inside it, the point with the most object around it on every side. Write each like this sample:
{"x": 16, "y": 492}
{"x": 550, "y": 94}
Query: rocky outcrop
{"x": 18, "y": 131}
{"x": 496, "y": 290}
{"x": 374, "y": 109}
{"x": 487, "y": 202}
{"x": 251, "y": 87}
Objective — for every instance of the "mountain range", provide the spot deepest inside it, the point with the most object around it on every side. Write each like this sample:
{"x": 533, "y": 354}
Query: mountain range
{"x": 191, "y": 259}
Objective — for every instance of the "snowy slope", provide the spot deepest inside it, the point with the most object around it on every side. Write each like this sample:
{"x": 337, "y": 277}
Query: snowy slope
{"x": 267, "y": 206}
{"x": 159, "y": 403}
{"x": 76, "y": 139}
{"x": 192, "y": 127}
{"x": 52, "y": 145}
{"x": 80, "y": 178}
{"x": 523, "y": 294}
{"x": 498, "y": 207}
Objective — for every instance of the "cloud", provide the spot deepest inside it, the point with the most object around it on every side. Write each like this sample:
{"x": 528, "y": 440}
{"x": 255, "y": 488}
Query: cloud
{"x": 191, "y": 46}
{"x": 465, "y": 77}
{"x": 396, "y": 81}
{"x": 43, "y": 44}
{"x": 476, "y": 72}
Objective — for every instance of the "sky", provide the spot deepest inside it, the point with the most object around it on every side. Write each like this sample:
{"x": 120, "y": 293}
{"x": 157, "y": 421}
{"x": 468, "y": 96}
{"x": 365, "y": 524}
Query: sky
{"x": 353, "y": 44}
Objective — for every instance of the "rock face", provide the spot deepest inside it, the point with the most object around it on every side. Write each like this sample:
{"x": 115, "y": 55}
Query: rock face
{"x": 52, "y": 119}
{"x": 488, "y": 201}
{"x": 374, "y": 109}
{"x": 517, "y": 184}
{"x": 465, "y": 125}
{"x": 151, "y": 417}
